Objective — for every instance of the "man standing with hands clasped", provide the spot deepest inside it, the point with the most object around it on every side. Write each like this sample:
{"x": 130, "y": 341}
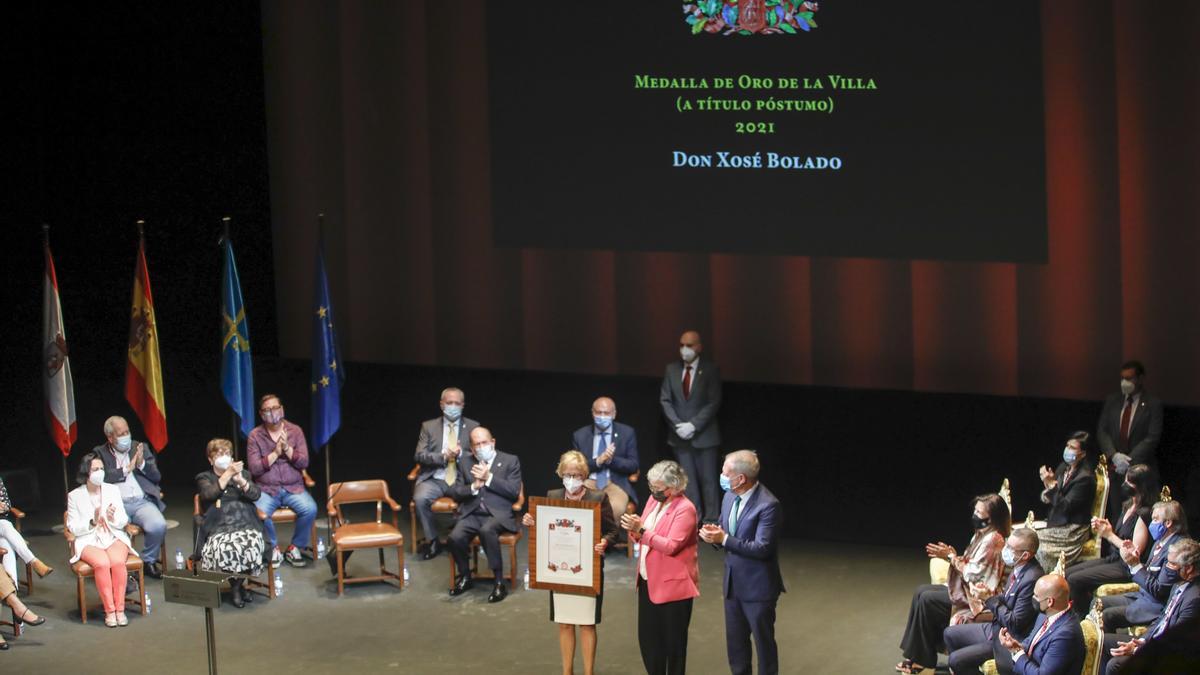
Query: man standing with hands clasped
{"x": 749, "y": 534}
{"x": 690, "y": 397}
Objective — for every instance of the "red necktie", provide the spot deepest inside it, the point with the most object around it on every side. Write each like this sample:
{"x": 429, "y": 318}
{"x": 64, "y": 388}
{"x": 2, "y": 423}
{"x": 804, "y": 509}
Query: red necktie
{"x": 687, "y": 381}
{"x": 1040, "y": 633}
{"x": 1012, "y": 582}
{"x": 1126, "y": 415}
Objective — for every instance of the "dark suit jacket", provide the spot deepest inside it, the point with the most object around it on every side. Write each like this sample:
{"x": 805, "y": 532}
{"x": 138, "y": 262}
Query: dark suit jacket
{"x": 498, "y": 497}
{"x": 608, "y": 524}
{"x": 700, "y": 408}
{"x": 1186, "y": 611}
{"x": 1060, "y": 651}
{"x": 429, "y": 445}
{"x": 625, "y": 458}
{"x": 1015, "y": 609}
{"x": 1144, "y": 432}
{"x": 148, "y": 477}
{"x": 752, "y": 554}
{"x": 1072, "y": 504}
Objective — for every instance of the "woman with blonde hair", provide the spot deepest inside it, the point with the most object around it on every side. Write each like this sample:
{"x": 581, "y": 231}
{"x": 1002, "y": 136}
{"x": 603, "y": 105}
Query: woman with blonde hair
{"x": 569, "y": 611}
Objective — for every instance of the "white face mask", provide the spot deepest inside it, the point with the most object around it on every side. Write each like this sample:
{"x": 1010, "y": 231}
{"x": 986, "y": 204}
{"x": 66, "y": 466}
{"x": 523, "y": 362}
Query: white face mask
{"x": 1127, "y": 387}
{"x": 571, "y": 484}
{"x": 222, "y": 462}
{"x": 485, "y": 453}
{"x": 687, "y": 353}
{"x": 124, "y": 443}
{"x": 96, "y": 477}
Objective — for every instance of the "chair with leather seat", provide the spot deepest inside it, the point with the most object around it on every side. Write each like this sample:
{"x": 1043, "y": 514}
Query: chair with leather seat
{"x": 283, "y": 514}
{"x": 350, "y": 536}
{"x": 508, "y": 539}
{"x": 253, "y": 583}
{"x": 133, "y": 565}
{"x": 441, "y": 505}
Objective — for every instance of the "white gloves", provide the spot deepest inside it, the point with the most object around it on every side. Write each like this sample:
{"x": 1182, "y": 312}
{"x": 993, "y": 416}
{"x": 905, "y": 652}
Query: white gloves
{"x": 1121, "y": 462}
{"x": 685, "y": 430}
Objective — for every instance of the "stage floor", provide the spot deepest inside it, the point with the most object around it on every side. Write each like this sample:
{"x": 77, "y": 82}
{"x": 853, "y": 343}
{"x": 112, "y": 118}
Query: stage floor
{"x": 844, "y": 612}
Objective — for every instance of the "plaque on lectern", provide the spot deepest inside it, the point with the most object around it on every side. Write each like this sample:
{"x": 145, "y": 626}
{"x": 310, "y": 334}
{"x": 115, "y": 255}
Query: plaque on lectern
{"x": 202, "y": 589}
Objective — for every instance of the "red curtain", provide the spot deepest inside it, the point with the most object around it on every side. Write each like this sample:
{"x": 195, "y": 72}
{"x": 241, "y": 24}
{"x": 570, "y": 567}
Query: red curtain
{"x": 377, "y": 115}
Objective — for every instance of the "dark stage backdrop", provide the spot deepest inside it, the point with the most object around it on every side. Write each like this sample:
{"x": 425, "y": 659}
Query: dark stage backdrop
{"x": 378, "y": 116}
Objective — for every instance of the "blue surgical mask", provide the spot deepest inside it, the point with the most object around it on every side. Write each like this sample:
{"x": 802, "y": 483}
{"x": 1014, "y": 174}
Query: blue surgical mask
{"x": 1168, "y": 576}
{"x": 726, "y": 483}
{"x": 124, "y": 442}
{"x": 603, "y": 422}
{"x": 1157, "y": 530}
{"x": 1069, "y": 455}
{"x": 1009, "y": 555}
{"x": 452, "y": 412}
{"x": 485, "y": 453}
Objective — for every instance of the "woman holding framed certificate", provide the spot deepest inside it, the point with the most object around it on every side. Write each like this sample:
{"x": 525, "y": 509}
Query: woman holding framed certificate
{"x": 570, "y": 610}
{"x": 668, "y": 570}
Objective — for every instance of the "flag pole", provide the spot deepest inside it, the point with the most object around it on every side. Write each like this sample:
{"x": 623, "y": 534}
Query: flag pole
{"x": 233, "y": 418}
{"x": 66, "y": 481}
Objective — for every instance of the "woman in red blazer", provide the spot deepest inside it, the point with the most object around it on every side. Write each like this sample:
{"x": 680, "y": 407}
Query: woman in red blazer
{"x": 668, "y": 572}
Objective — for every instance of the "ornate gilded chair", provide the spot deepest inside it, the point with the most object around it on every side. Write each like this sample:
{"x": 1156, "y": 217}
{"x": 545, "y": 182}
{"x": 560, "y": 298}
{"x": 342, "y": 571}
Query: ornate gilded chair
{"x": 1130, "y": 587}
{"x": 1091, "y": 548}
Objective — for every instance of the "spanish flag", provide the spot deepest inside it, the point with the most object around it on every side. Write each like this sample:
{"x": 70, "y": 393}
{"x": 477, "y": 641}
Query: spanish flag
{"x": 143, "y": 370}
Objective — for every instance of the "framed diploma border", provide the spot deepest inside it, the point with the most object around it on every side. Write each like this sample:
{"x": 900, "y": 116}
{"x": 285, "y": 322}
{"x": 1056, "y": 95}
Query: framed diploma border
{"x": 562, "y": 546}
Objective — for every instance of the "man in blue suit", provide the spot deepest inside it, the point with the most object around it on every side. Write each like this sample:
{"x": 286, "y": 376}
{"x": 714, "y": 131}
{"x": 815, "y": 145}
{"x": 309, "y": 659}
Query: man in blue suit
{"x": 971, "y": 644}
{"x": 1144, "y": 605}
{"x": 748, "y": 532}
{"x": 1183, "y": 606}
{"x": 612, "y": 454}
{"x": 1055, "y": 646}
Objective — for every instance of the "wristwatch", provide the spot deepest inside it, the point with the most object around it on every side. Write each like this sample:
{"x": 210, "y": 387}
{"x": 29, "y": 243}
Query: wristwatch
{"x": 641, "y": 531}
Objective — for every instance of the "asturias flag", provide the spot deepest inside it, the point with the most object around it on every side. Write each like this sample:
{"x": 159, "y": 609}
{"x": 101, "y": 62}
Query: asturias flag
{"x": 143, "y": 370}
{"x": 237, "y": 377}
{"x": 327, "y": 372}
{"x": 60, "y": 389}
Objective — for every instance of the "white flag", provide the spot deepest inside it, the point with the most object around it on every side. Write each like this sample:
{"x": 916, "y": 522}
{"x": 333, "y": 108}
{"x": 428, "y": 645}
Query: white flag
{"x": 60, "y": 390}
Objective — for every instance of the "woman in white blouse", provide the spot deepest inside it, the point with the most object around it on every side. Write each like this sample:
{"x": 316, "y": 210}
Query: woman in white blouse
{"x": 97, "y": 518}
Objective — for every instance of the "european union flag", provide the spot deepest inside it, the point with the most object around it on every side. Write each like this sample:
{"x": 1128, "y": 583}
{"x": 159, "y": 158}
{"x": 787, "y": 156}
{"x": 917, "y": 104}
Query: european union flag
{"x": 327, "y": 372}
{"x": 237, "y": 377}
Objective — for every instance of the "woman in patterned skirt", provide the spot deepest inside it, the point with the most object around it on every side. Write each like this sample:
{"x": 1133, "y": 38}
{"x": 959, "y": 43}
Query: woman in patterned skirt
{"x": 230, "y": 537}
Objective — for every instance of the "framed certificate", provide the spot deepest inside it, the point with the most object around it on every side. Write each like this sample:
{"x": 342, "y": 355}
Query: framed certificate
{"x": 562, "y": 553}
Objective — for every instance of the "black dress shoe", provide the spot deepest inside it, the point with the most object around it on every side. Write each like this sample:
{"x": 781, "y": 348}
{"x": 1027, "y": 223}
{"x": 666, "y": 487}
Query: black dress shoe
{"x": 154, "y": 570}
{"x": 435, "y": 547}
{"x": 462, "y": 585}
{"x": 235, "y": 593}
{"x": 498, "y": 593}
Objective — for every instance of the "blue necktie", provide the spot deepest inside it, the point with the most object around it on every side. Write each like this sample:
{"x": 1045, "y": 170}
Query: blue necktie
{"x": 733, "y": 515}
{"x": 602, "y": 474}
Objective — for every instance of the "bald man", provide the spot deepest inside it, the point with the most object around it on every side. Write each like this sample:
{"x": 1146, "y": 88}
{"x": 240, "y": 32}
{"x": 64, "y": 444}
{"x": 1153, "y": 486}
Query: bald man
{"x": 1055, "y": 647}
{"x": 691, "y": 396}
{"x": 612, "y": 453}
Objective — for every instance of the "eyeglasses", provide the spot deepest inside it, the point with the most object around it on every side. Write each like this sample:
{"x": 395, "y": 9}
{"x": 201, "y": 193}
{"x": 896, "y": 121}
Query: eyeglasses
{"x": 273, "y": 408}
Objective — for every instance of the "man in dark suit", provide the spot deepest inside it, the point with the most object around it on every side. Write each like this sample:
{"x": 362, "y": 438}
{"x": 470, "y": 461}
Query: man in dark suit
{"x": 748, "y": 532}
{"x": 439, "y": 448}
{"x": 485, "y": 488}
{"x": 691, "y": 396}
{"x": 132, "y": 467}
{"x": 971, "y": 644}
{"x": 611, "y": 450}
{"x": 1055, "y": 645}
{"x": 1182, "y": 608}
{"x": 1130, "y": 428}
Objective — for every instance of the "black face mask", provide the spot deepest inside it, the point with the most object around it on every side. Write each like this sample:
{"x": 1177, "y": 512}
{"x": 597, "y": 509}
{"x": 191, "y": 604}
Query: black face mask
{"x": 660, "y": 496}
{"x": 1128, "y": 490}
{"x": 977, "y": 522}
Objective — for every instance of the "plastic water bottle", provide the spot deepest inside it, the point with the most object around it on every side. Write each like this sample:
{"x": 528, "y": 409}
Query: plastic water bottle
{"x": 637, "y": 549}
{"x": 147, "y": 600}
{"x": 406, "y": 574}
{"x": 178, "y": 559}
{"x": 321, "y": 547}
{"x": 526, "y": 578}
{"x": 278, "y": 584}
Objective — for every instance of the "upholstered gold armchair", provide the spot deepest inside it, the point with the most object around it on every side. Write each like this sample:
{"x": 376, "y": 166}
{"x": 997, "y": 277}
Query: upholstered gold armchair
{"x": 1091, "y": 548}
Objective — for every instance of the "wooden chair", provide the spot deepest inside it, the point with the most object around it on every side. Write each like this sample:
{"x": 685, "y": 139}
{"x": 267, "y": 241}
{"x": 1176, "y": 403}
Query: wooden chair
{"x": 630, "y": 508}
{"x": 347, "y": 536}
{"x": 284, "y": 514}
{"x": 253, "y": 583}
{"x": 82, "y": 570}
{"x": 443, "y": 505}
{"x": 508, "y": 539}
{"x": 19, "y": 515}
